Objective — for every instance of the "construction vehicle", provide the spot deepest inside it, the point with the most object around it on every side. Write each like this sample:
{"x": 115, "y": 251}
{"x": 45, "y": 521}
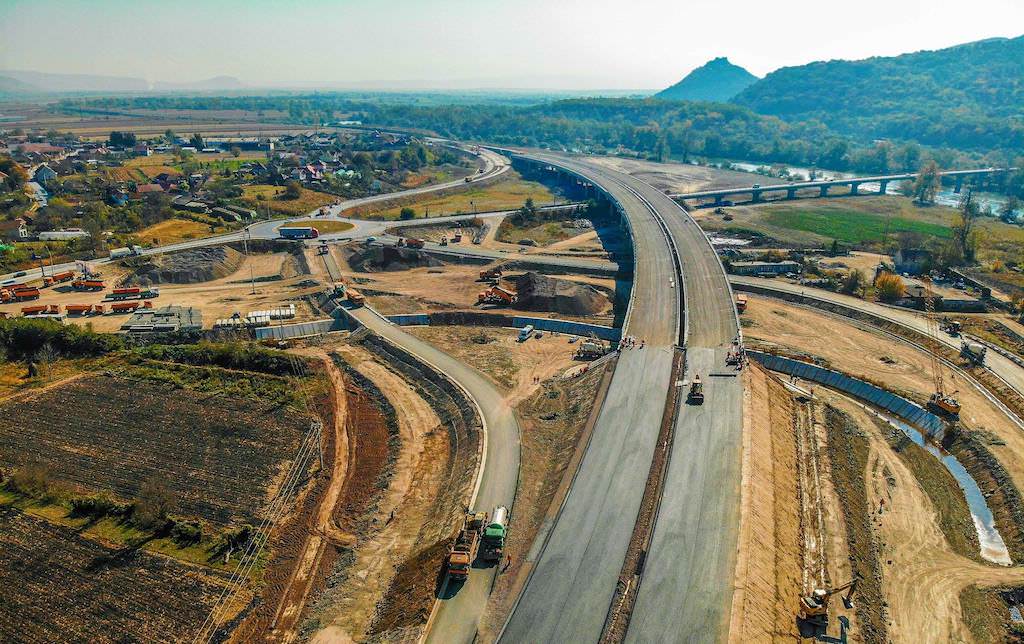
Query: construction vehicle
{"x": 322, "y": 249}
{"x": 41, "y": 309}
{"x": 59, "y": 278}
{"x": 497, "y": 295}
{"x": 973, "y": 352}
{"x": 525, "y": 333}
{"x": 412, "y": 242}
{"x": 457, "y": 237}
{"x": 952, "y": 327}
{"x": 494, "y": 534}
{"x": 590, "y": 350}
{"x": 444, "y": 241}
{"x": 696, "y": 394}
{"x": 741, "y": 302}
{"x": 88, "y": 285}
{"x": 78, "y": 309}
{"x": 133, "y": 293}
{"x": 124, "y": 307}
{"x": 463, "y": 551}
{"x": 355, "y": 298}
{"x": 940, "y": 402}
{"x": 25, "y": 293}
{"x": 127, "y": 251}
{"x": 814, "y": 607}
{"x": 491, "y": 273}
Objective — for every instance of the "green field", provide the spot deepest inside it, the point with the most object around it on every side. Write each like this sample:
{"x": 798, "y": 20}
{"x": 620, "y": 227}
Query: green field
{"x": 851, "y": 226}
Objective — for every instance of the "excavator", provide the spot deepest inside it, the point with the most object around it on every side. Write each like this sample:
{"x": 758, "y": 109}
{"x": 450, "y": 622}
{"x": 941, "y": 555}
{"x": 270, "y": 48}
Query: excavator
{"x": 940, "y": 402}
{"x": 814, "y": 607}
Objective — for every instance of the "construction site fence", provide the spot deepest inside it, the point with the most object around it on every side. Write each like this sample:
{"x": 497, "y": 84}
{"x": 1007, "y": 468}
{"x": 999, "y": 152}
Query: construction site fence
{"x": 471, "y": 318}
{"x": 301, "y": 329}
{"x": 897, "y": 405}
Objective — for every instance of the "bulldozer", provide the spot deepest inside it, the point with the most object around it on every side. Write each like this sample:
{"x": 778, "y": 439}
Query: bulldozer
{"x": 814, "y": 607}
{"x": 696, "y": 394}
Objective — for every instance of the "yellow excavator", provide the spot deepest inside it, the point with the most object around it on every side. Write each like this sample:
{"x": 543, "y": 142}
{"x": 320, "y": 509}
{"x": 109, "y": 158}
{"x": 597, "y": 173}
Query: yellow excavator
{"x": 814, "y": 607}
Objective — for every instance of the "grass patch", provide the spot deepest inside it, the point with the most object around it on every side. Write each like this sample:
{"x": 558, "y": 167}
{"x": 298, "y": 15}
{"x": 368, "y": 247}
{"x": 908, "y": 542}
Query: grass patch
{"x": 273, "y": 197}
{"x": 851, "y": 226}
{"x": 504, "y": 195}
{"x": 324, "y": 225}
{"x": 986, "y": 615}
{"x": 171, "y": 231}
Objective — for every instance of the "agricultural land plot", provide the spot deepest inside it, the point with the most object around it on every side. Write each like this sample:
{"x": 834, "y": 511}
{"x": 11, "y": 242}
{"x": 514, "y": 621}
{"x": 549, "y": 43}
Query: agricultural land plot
{"x": 503, "y": 195}
{"x": 61, "y": 586}
{"x": 853, "y": 221}
{"x": 274, "y": 199}
{"x": 221, "y": 457}
{"x": 171, "y": 231}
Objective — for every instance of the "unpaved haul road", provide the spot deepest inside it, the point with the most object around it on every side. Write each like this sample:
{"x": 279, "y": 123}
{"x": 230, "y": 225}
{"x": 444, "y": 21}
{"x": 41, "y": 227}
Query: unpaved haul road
{"x": 458, "y": 616}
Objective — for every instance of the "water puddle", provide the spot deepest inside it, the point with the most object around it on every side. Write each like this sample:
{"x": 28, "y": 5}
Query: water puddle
{"x": 992, "y": 546}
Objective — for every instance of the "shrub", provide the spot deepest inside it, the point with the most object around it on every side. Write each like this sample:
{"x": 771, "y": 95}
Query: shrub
{"x": 97, "y": 507}
{"x": 406, "y": 214}
{"x": 186, "y": 533}
{"x": 23, "y": 339}
{"x": 230, "y": 355}
{"x": 889, "y": 287}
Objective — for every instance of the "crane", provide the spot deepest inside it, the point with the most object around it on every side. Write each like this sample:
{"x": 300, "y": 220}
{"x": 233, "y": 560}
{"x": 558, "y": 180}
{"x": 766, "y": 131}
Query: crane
{"x": 940, "y": 402}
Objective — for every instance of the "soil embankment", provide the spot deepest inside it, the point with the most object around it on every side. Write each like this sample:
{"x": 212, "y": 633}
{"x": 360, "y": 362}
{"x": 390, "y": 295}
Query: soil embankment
{"x": 389, "y": 258}
{"x": 187, "y": 267}
{"x": 543, "y": 293}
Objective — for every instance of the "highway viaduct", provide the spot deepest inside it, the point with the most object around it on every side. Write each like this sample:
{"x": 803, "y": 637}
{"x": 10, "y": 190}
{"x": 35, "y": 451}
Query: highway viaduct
{"x": 757, "y": 191}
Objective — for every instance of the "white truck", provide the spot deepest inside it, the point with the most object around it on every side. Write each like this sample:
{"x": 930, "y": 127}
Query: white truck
{"x": 127, "y": 251}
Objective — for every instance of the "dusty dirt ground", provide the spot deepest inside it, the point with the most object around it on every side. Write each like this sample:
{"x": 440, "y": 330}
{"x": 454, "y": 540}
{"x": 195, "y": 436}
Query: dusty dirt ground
{"x": 448, "y": 287}
{"x": 861, "y": 261}
{"x": 218, "y": 298}
{"x": 867, "y": 355}
{"x": 401, "y": 511}
{"x": 510, "y": 364}
{"x": 922, "y": 577}
{"x": 679, "y": 177}
{"x": 769, "y": 569}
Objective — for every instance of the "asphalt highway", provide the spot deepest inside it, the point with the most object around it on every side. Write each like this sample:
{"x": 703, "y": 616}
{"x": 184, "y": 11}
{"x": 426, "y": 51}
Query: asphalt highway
{"x": 567, "y": 596}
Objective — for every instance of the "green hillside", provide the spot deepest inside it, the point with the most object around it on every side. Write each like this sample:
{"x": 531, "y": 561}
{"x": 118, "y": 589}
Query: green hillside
{"x": 968, "y": 97}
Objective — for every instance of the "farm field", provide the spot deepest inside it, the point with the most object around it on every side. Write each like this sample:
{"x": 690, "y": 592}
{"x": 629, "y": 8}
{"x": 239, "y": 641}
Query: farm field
{"x": 273, "y": 198}
{"x": 504, "y": 195}
{"x": 61, "y": 586}
{"x": 171, "y": 231}
{"x": 219, "y": 456}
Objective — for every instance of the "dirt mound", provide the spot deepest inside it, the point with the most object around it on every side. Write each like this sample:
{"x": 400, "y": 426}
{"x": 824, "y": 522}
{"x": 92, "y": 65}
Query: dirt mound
{"x": 387, "y": 258}
{"x": 542, "y": 293}
{"x": 187, "y": 267}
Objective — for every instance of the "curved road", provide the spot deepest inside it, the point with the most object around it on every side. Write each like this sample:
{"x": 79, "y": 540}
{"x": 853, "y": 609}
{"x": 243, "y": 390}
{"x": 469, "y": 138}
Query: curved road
{"x": 457, "y": 618}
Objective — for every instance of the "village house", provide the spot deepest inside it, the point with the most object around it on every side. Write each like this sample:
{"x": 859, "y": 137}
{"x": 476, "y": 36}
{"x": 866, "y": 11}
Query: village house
{"x": 14, "y": 230}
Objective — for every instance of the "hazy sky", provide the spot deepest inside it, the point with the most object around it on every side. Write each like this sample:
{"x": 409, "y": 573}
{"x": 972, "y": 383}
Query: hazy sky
{"x": 474, "y": 43}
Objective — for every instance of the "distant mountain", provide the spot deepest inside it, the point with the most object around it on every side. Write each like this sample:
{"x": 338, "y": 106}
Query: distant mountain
{"x": 718, "y": 80}
{"x": 43, "y": 82}
{"x": 968, "y": 96}
{"x": 13, "y": 86}
{"x": 211, "y": 84}
{"x": 77, "y": 82}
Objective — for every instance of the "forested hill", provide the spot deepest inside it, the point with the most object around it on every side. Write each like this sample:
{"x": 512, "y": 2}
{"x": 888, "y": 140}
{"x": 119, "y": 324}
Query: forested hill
{"x": 968, "y": 97}
{"x": 718, "y": 80}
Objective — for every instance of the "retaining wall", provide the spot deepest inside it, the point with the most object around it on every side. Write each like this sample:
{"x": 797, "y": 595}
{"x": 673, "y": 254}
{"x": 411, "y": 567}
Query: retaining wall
{"x": 899, "y": 406}
{"x": 474, "y": 318}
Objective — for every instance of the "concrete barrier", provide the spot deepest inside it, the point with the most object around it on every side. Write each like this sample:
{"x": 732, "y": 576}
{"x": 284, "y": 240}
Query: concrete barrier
{"x": 897, "y": 405}
{"x": 301, "y": 329}
{"x": 476, "y": 318}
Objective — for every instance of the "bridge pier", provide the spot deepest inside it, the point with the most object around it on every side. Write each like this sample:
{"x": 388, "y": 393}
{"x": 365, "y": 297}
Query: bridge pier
{"x": 854, "y": 189}
{"x": 883, "y": 186}
{"x": 790, "y": 193}
{"x": 959, "y": 184}
{"x": 823, "y": 190}
{"x": 719, "y": 200}
{"x": 755, "y": 196}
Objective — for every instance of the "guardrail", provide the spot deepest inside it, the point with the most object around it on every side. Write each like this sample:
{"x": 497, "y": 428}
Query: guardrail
{"x": 567, "y": 327}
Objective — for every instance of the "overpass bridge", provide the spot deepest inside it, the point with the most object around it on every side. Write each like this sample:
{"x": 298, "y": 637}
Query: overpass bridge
{"x": 757, "y": 191}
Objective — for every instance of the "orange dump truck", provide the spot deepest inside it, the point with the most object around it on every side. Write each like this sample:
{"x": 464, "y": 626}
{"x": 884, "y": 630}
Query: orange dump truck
{"x": 40, "y": 309}
{"x": 463, "y": 551}
{"x": 741, "y": 302}
{"x": 124, "y": 307}
{"x": 497, "y": 295}
{"x": 78, "y": 309}
{"x": 355, "y": 298}
{"x": 88, "y": 285}
{"x": 26, "y": 293}
{"x": 59, "y": 278}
